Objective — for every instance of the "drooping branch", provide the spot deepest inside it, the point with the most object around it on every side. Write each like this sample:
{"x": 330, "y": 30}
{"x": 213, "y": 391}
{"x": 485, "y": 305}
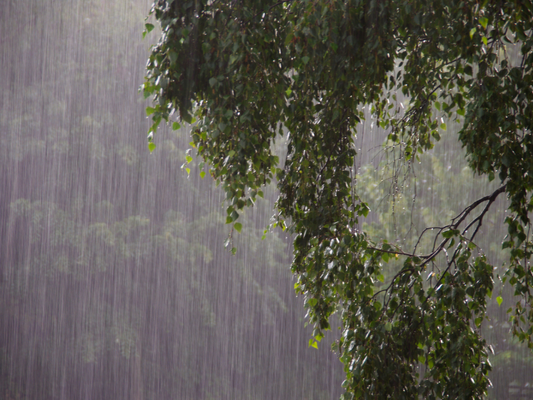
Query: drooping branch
{"x": 456, "y": 221}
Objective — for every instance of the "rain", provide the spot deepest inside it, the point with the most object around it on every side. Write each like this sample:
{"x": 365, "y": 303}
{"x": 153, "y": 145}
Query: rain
{"x": 114, "y": 279}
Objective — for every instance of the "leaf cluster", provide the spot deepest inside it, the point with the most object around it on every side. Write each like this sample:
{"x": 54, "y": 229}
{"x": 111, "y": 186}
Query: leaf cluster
{"x": 250, "y": 72}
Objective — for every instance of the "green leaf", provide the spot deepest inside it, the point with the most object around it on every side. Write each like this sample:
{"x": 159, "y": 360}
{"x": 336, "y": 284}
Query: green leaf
{"x": 499, "y": 300}
{"x": 472, "y": 32}
{"x": 238, "y": 226}
{"x": 484, "y": 21}
{"x": 173, "y": 56}
{"x": 363, "y": 210}
{"x": 305, "y": 60}
{"x": 202, "y": 174}
{"x": 147, "y": 29}
{"x": 450, "y": 233}
{"x": 151, "y": 146}
{"x": 149, "y": 111}
{"x": 176, "y": 126}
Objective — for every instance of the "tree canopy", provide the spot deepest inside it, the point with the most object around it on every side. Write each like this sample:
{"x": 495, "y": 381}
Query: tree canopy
{"x": 308, "y": 73}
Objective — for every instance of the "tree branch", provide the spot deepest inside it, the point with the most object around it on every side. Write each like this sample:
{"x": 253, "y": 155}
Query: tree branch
{"x": 456, "y": 221}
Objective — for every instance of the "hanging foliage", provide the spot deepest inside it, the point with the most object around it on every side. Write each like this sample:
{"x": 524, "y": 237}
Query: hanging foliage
{"x": 249, "y": 72}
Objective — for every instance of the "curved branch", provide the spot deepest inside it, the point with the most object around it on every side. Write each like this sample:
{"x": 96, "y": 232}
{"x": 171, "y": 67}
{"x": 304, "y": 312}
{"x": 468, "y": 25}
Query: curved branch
{"x": 456, "y": 221}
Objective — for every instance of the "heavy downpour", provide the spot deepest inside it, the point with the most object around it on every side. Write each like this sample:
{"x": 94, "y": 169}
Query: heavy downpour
{"x": 265, "y": 200}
